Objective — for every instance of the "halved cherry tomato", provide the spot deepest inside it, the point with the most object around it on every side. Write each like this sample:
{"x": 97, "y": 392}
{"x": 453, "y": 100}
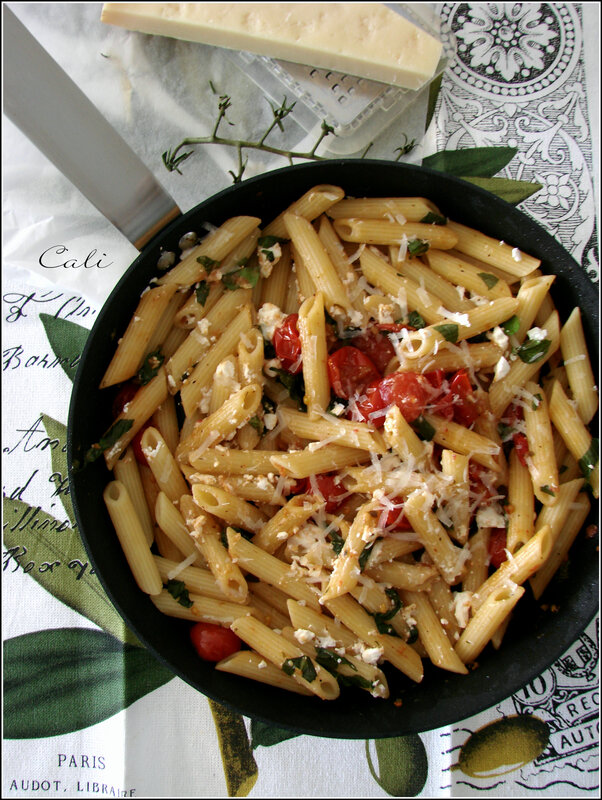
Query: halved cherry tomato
{"x": 519, "y": 440}
{"x": 477, "y": 485}
{"x": 350, "y": 371}
{"x": 287, "y": 344}
{"x": 395, "y": 519}
{"x": 122, "y": 398}
{"x": 497, "y": 547}
{"x": 213, "y": 642}
{"x": 328, "y": 486}
{"x": 466, "y": 407}
{"x": 406, "y": 390}
{"x": 377, "y": 346}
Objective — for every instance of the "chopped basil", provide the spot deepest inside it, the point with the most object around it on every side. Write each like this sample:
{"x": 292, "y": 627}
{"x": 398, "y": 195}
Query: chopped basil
{"x": 488, "y": 279}
{"x": 202, "y": 292}
{"x": 354, "y": 680}
{"x": 511, "y": 326}
{"x": 208, "y": 263}
{"x": 295, "y": 386}
{"x": 336, "y": 541}
{"x": 303, "y": 663}
{"x": 415, "y": 320}
{"x": 424, "y": 429}
{"x": 270, "y": 241}
{"x": 537, "y": 401}
{"x": 331, "y": 661}
{"x": 533, "y": 350}
{"x": 269, "y": 407}
{"x": 434, "y": 219}
{"x": 449, "y": 331}
{"x": 547, "y": 490}
{"x": 505, "y": 431}
{"x": 233, "y": 280}
{"x": 588, "y": 461}
{"x": 382, "y": 618}
{"x": 257, "y": 424}
{"x": 365, "y": 555}
{"x": 150, "y": 367}
{"x": 107, "y": 441}
{"x": 417, "y": 247}
{"x": 179, "y": 592}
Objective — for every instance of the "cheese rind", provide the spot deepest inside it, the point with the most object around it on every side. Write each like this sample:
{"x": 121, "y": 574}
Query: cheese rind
{"x": 367, "y": 40}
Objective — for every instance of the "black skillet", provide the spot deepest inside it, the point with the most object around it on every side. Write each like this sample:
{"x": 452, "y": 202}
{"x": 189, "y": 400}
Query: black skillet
{"x": 536, "y": 637}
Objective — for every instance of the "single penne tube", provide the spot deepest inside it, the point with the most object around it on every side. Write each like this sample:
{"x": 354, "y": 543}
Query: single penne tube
{"x": 249, "y": 664}
{"x": 132, "y": 538}
{"x": 541, "y": 461}
{"x": 275, "y": 289}
{"x": 270, "y": 569}
{"x": 432, "y": 633}
{"x": 453, "y": 436}
{"x": 531, "y": 295}
{"x": 455, "y": 466}
{"x": 198, "y": 580}
{"x": 285, "y": 522}
{"x": 518, "y": 568}
{"x": 213, "y": 249}
{"x": 416, "y": 577}
{"x": 346, "y": 570}
{"x": 203, "y": 609}
{"x": 380, "y": 273}
{"x": 132, "y": 346}
{"x": 576, "y": 436}
{"x": 400, "y": 437}
{"x": 578, "y": 366}
{"x": 237, "y": 410}
{"x": 457, "y": 328}
{"x": 165, "y": 419}
{"x": 164, "y": 326}
{"x": 224, "y": 383}
{"x": 202, "y": 299}
{"x": 557, "y": 515}
{"x": 443, "y": 601}
{"x": 344, "y": 432}
{"x": 486, "y": 621}
{"x": 317, "y": 262}
{"x": 580, "y": 509}
{"x": 171, "y": 522}
{"x": 327, "y": 630}
{"x": 200, "y": 378}
{"x": 462, "y": 273}
{"x": 492, "y": 251}
{"x": 142, "y": 406}
{"x": 219, "y": 460}
{"x": 342, "y": 264}
{"x": 273, "y": 597}
{"x": 308, "y": 462}
{"x": 287, "y": 656}
{"x": 448, "y": 558}
{"x": 163, "y": 464}
{"x": 521, "y": 504}
{"x": 127, "y": 472}
{"x": 438, "y": 285}
{"x": 305, "y": 285}
{"x": 259, "y": 489}
{"x": 389, "y": 548}
{"x": 314, "y": 352}
{"x": 310, "y": 205}
{"x": 503, "y": 391}
{"x": 227, "y": 507}
{"x": 381, "y": 231}
{"x": 409, "y": 209}
{"x": 395, "y": 650}
{"x": 477, "y": 566}
{"x": 478, "y": 355}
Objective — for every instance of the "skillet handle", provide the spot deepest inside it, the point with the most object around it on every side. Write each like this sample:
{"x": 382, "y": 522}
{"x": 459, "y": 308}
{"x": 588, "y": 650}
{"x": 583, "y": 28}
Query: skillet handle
{"x": 78, "y": 139}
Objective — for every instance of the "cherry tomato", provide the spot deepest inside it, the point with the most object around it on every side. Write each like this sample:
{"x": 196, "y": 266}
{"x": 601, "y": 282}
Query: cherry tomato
{"x": 466, "y": 408}
{"x": 406, "y": 390}
{"x": 122, "y": 398}
{"x": 497, "y": 547}
{"x": 395, "y": 519}
{"x": 350, "y": 371}
{"x": 377, "y": 346}
{"x": 287, "y": 344}
{"x": 370, "y": 404}
{"x": 519, "y": 440}
{"x": 212, "y": 642}
{"x": 328, "y": 486}
{"x": 477, "y": 485}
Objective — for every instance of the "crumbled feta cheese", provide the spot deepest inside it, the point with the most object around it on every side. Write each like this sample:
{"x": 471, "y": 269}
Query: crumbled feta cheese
{"x": 269, "y": 318}
{"x": 502, "y": 368}
{"x": 337, "y": 409}
{"x": 537, "y": 334}
{"x": 462, "y": 606}
{"x": 262, "y": 664}
{"x": 516, "y": 254}
{"x": 303, "y": 636}
{"x": 270, "y": 421}
{"x": 498, "y": 337}
{"x": 371, "y": 655}
{"x": 490, "y": 516}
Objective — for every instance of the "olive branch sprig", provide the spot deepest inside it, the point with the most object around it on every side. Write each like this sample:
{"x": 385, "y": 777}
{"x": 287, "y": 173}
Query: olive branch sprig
{"x": 173, "y": 159}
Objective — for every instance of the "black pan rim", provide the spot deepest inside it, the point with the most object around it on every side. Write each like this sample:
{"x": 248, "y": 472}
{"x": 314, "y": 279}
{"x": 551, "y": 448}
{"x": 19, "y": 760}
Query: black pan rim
{"x": 361, "y": 723}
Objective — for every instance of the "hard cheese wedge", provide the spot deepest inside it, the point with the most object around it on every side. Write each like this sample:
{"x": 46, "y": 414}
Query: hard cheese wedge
{"x": 367, "y": 40}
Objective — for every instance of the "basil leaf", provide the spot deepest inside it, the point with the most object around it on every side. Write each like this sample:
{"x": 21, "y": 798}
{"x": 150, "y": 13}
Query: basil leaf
{"x": 208, "y": 263}
{"x": 382, "y": 618}
{"x": 232, "y": 280}
{"x": 533, "y": 350}
{"x": 202, "y": 292}
{"x": 179, "y": 592}
{"x": 303, "y": 663}
{"x": 365, "y": 555}
{"x": 257, "y": 424}
{"x": 354, "y": 680}
{"x": 415, "y": 320}
{"x": 336, "y": 541}
{"x": 417, "y": 247}
{"x": 511, "y": 326}
{"x": 269, "y": 407}
{"x": 424, "y": 429}
{"x": 449, "y": 331}
{"x": 588, "y": 461}
{"x": 488, "y": 279}
{"x": 434, "y": 219}
{"x": 270, "y": 241}
{"x": 505, "y": 431}
{"x": 150, "y": 367}
{"x": 331, "y": 661}
{"x": 546, "y": 489}
{"x": 107, "y": 441}
{"x": 294, "y": 384}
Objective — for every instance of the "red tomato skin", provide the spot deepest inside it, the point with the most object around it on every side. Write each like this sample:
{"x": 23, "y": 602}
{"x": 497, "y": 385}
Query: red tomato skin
{"x": 377, "y": 346}
{"x": 407, "y": 391}
{"x": 123, "y": 397}
{"x": 396, "y": 519}
{"x": 466, "y": 409}
{"x": 333, "y": 493}
{"x": 497, "y": 548}
{"x": 350, "y": 371}
{"x": 213, "y": 642}
{"x": 287, "y": 344}
{"x": 371, "y": 402}
{"x": 521, "y": 445}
